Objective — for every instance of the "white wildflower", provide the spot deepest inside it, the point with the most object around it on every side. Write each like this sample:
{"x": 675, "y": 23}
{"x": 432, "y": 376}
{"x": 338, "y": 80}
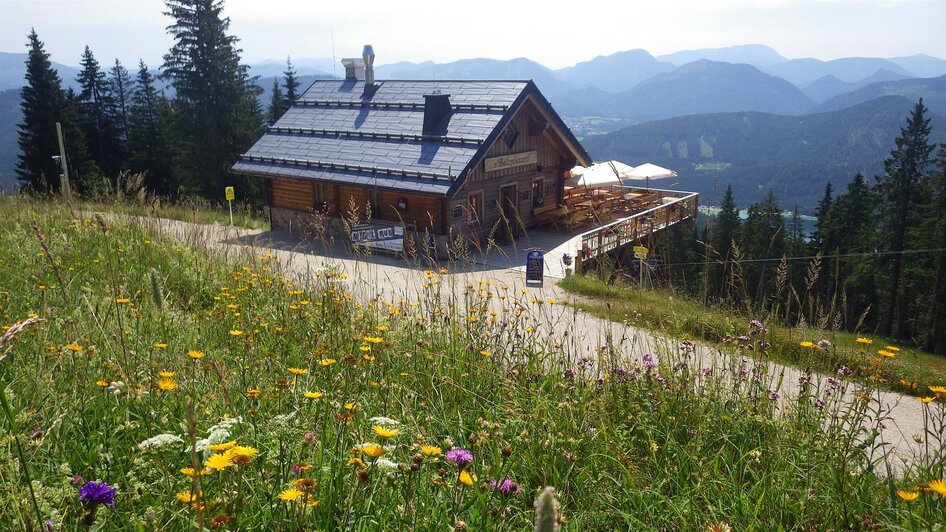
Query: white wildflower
{"x": 384, "y": 421}
{"x": 160, "y": 441}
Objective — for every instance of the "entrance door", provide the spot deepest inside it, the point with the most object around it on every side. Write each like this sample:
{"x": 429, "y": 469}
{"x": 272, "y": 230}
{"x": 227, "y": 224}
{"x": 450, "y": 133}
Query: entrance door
{"x": 509, "y": 224}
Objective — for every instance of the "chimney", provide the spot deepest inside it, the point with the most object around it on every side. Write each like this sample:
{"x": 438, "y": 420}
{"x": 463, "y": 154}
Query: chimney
{"x": 354, "y": 68}
{"x": 367, "y": 55}
{"x": 436, "y": 109}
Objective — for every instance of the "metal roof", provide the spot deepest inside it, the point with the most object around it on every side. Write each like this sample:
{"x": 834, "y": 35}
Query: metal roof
{"x": 334, "y": 133}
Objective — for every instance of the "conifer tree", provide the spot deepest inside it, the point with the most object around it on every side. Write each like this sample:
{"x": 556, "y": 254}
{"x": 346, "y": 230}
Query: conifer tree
{"x": 215, "y": 107}
{"x": 821, "y": 219}
{"x": 725, "y": 232}
{"x": 935, "y": 337}
{"x": 96, "y": 109}
{"x": 291, "y": 83}
{"x": 899, "y": 192}
{"x": 120, "y": 87}
{"x": 277, "y": 103}
{"x": 762, "y": 237}
{"x": 148, "y": 116}
{"x": 44, "y": 103}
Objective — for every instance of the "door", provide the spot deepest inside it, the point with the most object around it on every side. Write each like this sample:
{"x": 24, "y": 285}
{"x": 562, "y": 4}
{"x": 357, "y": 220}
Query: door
{"x": 509, "y": 223}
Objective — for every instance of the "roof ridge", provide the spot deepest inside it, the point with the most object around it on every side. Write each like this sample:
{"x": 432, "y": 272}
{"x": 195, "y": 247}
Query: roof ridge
{"x": 348, "y": 167}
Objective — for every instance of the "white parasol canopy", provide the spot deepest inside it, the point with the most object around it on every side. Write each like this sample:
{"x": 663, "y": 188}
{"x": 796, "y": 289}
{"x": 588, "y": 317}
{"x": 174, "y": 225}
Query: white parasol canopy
{"x": 598, "y": 175}
{"x": 648, "y": 171}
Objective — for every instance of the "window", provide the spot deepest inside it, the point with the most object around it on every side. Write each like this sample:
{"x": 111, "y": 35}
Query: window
{"x": 320, "y": 193}
{"x": 476, "y": 206}
{"x": 538, "y": 193}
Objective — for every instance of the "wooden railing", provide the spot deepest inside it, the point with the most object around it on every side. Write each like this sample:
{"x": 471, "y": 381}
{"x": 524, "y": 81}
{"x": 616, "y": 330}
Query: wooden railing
{"x": 638, "y": 226}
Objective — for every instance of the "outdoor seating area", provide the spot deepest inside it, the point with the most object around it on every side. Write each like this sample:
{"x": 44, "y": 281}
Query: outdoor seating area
{"x": 586, "y": 207}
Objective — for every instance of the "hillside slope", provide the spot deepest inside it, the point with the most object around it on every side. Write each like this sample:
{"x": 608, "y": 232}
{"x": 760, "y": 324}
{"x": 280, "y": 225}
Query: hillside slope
{"x": 932, "y": 90}
{"x": 755, "y": 152}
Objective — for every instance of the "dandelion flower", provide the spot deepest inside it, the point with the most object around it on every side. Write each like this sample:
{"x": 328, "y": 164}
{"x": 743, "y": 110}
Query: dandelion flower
{"x": 384, "y": 433}
{"x": 938, "y": 389}
{"x": 241, "y": 454}
{"x": 865, "y": 341}
{"x": 167, "y": 384}
{"x": 892, "y": 348}
{"x": 313, "y": 395}
{"x": 74, "y": 347}
{"x": 372, "y": 450}
{"x": 103, "y": 382}
{"x": 485, "y": 353}
{"x": 466, "y": 478}
{"x": 290, "y": 495}
{"x": 196, "y": 354}
{"x": 908, "y": 496}
{"x": 925, "y": 400}
{"x": 166, "y": 374}
{"x": 887, "y": 354}
{"x": 327, "y": 361}
{"x": 938, "y": 486}
{"x": 218, "y": 461}
{"x": 236, "y": 332}
{"x": 808, "y": 344}
{"x": 430, "y": 450}
{"x": 298, "y": 371}
{"x": 160, "y": 345}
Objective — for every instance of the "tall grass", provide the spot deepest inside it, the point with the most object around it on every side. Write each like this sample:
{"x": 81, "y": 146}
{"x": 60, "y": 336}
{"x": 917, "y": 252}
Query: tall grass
{"x": 312, "y": 409}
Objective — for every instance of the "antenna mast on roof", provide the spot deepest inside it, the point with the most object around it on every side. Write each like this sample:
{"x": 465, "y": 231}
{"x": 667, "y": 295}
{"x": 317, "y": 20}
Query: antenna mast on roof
{"x": 331, "y": 30}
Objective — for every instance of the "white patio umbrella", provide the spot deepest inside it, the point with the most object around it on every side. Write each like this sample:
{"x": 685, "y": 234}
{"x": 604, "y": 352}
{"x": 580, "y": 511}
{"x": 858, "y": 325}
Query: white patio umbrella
{"x": 648, "y": 171}
{"x": 598, "y": 175}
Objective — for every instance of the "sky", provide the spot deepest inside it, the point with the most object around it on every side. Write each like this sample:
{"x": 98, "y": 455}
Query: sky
{"x": 552, "y": 32}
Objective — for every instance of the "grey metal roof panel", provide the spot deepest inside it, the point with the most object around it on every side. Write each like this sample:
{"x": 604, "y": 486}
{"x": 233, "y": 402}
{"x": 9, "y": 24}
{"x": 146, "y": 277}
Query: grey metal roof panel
{"x": 407, "y": 184}
{"x": 474, "y": 124}
{"x": 410, "y": 91}
{"x": 423, "y": 156}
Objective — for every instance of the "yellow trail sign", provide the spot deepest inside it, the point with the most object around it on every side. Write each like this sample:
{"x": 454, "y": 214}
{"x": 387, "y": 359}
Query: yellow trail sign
{"x": 229, "y": 193}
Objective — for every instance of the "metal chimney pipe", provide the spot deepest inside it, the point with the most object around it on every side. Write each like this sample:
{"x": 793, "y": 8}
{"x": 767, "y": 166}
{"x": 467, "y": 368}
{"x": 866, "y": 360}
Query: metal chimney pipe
{"x": 368, "y": 55}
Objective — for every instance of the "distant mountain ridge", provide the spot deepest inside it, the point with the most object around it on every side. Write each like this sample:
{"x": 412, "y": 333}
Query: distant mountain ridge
{"x": 932, "y": 90}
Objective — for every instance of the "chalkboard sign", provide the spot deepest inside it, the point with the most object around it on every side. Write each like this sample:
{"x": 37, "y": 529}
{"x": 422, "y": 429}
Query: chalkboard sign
{"x": 535, "y": 268}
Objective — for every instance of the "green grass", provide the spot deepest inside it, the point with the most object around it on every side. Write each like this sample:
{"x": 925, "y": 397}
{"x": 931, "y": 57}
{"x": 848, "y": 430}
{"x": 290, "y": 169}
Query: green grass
{"x": 912, "y": 371}
{"x": 626, "y": 447}
{"x": 192, "y": 210}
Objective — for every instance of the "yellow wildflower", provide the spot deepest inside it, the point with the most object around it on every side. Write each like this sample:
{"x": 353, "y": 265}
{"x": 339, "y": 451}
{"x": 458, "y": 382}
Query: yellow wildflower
{"x": 892, "y": 348}
{"x": 74, "y": 347}
{"x": 866, "y": 341}
{"x": 160, "y": 345}
{"x": 938, "y": 486}
{"x": 195, "y": 354}
{"x": 253, "y": 392}
{"x": 373, "y": 450}
{"x": 430, "y": 450}
{"x": 313, "y": 395}
{"x": 305, "y": 484}
{"x": 222, "y": 446}
{"x": 298, "y": 371}
{"x": 887, "y": 354}
{"x": 327, "y": 361}
{"x": 241, "y": 454}
{"x": 122, "y": 300}
{"x": 167, "y": 384}
{"x": 236, "y": 332}
{"x": 191, "y": 472}
{"x": 166, "y": 374}
{"x": 103, "y": 382}
{"x": 187, "y": 496}
{"x": 290, "y": 495}
{"x": 218, "y": 461}
{"x": 808, "y": 344}
{"x": 357, "y": 462}
{"x": 466, "y": 478}
{"x": 383, "y": 432}
{"x": 908, "y": 496}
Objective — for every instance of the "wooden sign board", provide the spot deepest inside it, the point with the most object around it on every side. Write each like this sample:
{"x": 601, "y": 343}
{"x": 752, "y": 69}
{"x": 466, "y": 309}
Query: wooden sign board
{"x": 503, "y": 162}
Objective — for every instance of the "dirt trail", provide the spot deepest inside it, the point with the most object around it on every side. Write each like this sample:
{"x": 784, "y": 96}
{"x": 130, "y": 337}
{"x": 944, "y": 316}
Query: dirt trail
{"x": 581, "y": 333}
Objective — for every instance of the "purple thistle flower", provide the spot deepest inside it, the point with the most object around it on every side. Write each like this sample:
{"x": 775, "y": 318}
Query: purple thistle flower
{"x": 507, "y": 486}
{"x": 774, "y": 395}
{"x": 459, "y": 456}
{"x": 94, "y": 493}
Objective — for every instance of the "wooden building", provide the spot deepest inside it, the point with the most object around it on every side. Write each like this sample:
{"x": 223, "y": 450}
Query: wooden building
{"x": 436, "y": 157}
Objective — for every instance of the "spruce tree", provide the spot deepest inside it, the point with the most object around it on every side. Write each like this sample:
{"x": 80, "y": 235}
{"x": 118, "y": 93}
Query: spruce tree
{"x": 725, "y": 232}
{"x": 148, "y": 116}
{"x": 763, "y": 241}
{"x": 277, "y": 103}
{"x": 821, "y": 219}
{"x": 292, "y": 84}
{"x": 216, "y": 110}
{"x": 42, "y": 99}
{"x": 852, "y": 230}
{"x": 899, "y": 192}
{"x": 96, "y": 115}
{"x": 935, "y": 336}
{"x": 120, "y": 87}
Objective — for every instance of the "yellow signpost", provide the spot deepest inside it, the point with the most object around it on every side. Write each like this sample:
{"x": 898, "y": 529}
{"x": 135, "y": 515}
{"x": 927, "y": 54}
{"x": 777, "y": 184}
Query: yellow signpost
{"x": 230, "y": 195}
{"x": 640, "y": 253}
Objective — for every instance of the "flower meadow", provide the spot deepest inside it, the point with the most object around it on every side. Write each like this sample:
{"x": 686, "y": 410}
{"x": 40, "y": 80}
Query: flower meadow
{"x": 149, "y": 385}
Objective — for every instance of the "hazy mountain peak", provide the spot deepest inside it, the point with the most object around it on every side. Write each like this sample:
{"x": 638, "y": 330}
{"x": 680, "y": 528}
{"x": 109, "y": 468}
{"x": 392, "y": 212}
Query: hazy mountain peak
{"x": 753, "y": 54}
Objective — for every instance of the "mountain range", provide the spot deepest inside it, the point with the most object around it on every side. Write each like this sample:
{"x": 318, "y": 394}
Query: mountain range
{"x": 630, "y": 88}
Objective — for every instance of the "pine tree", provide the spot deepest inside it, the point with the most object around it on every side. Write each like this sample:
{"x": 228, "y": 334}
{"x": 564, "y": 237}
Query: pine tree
{"x": 899, "y": 191}
{"x": 762, "y": 239}
{"x": 96, "y": 115}
{"x": 935, "y": 337}
{"x": 291, "y": 83}
{"x": 216, "y": 110}
{"x": 148, "y": 115}
{"x": 277, "y": 103}
{"x": 44, "y": 103}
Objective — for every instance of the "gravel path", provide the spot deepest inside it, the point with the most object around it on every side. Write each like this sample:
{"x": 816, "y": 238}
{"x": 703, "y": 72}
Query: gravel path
{"x": 581, "y": 333}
